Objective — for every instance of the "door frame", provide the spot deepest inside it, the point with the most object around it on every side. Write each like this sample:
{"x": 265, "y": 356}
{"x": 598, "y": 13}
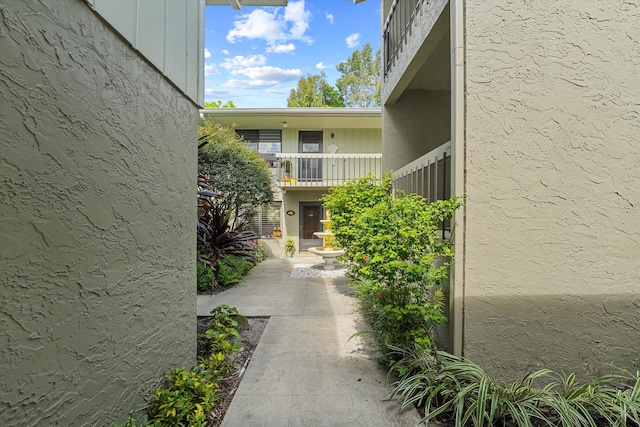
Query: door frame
{"x": 305, "y": 244}
{"x": 306, "y": 165}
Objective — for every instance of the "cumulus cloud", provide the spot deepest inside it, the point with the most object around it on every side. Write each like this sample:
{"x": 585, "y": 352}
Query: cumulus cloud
{"x": 353, "y": 40}
{"x": 281, "y": 48}
{"x": 261, "y": 77}
{"x": 274, "y": 27}
{"x": 217, "y": 92}
{"x": 207, "y": 54}
{"x": 329, "y": 17}
{"x": 240, "y": 61}
{"x": 211, "y": 70}
{"x": 268, "y": 72}
{"x": 321, "y": 66}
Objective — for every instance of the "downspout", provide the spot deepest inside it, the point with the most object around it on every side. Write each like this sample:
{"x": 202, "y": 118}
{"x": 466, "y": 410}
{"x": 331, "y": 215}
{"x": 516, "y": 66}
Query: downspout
{"x": 458, "y": 184}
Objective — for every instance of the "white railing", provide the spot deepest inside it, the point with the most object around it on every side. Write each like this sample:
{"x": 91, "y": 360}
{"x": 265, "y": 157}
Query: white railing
{"x": 324, "y": 170}
{"x": 428, "y": 176}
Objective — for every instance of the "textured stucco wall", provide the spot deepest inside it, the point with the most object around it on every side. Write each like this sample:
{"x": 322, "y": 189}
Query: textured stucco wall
{"x": 419, "y": 122}
{"x": 97, "y": 236}
{"x": 552, "y": 183}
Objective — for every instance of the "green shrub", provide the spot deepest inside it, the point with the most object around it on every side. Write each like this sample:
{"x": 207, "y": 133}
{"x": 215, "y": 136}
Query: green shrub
{"x": 262, "y": 252}
{"x": 453, "y": 388}
{"x": 204, "y": 277}
{"x": 187, "y": 400}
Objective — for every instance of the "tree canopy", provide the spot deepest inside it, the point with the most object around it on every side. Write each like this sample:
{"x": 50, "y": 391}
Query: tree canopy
{"x": 314, "y": 91}
{"x": 219, "y": 104}
{"x": 237, "y": 173}
{"x": 360, "y": 80}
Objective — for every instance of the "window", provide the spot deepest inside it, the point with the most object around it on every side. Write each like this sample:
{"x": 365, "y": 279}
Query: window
{"x": 267, "y": 221}
{"x": 263, "y": 141}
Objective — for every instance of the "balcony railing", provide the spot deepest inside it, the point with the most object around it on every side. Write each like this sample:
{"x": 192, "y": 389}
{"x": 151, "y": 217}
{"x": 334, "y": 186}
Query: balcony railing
{"x": 397, "y": 28}
{"x": 428, "y": 176}
{"x": 324, "y": 170}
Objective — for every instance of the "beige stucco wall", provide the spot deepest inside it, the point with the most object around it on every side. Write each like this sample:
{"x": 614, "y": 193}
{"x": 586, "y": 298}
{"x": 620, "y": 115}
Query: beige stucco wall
{"x": 418, "y": 123}
{"x": 552, "y": 237}
{"x": 97, "y": 236}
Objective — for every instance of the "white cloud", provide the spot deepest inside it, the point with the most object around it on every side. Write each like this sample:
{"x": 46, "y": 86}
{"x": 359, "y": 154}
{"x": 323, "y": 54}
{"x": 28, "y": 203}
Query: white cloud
{"x": 211, "y": 70}
{"x": 216, "y": 92}
{"x": 296, "y": 13}
{"x": 273, "y": 27}
{"x": 353, "y": 40}
{"x": 322, "y": 66}
{"x": 240, "y": 61}
{"x": 283, "y": 91}
{"x": 260, "y": 77}
{"x": 225, "y": 52}
{"x": 269, "y": 73}
{"x": 329, "y": 17}
{"x": 207, "y": 54}
{"x": 281, "y": 48}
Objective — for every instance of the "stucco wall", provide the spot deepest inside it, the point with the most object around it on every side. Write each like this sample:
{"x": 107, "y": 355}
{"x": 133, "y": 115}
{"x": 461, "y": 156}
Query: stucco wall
{"x": 97, "y": 236}
{"x": 419, "y": 122}
{"x": 553, "y": 165}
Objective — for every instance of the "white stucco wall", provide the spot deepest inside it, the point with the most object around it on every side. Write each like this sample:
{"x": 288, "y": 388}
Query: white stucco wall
{"x": 552, "y": 230}
{"x": 97, "y": 229}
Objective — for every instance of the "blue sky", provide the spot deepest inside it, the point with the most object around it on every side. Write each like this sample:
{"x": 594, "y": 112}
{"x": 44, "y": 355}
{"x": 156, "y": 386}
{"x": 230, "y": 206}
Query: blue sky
{"x": 255, "y": 56}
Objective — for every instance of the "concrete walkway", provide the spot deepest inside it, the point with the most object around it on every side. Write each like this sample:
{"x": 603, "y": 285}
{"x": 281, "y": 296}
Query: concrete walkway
{"x": 306, "y": 372}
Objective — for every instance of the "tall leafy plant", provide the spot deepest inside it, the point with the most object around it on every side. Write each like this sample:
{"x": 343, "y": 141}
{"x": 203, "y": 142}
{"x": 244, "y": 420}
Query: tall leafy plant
{"x": 216, "y": 237}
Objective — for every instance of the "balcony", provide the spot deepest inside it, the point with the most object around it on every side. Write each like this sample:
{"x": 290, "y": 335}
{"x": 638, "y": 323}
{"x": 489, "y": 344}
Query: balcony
{"x": 397, "y": 28}
{"x": 429, "y": 176}
{"x": 324, "y": 170}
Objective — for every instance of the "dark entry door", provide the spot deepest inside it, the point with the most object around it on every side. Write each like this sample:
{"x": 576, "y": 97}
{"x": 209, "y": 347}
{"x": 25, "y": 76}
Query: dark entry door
{"x": 310, "y": 141}
{"x": 311, "y": 214}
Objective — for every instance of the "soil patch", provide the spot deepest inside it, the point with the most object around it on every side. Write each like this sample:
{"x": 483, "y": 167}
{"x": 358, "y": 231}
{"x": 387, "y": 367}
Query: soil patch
{"x": 249, "y": 338}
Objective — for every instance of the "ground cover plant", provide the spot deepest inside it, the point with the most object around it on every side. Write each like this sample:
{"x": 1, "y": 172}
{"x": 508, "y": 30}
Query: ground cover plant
{"x": 190, "y": 395}
{"x": 449, "y": 387}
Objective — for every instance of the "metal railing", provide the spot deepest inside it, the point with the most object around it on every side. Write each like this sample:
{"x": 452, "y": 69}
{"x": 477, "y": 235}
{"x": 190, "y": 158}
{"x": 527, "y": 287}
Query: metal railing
{"x": 429, "y": 176}
{"x": 397, "y": 28}
{"x": 324, "y": 170}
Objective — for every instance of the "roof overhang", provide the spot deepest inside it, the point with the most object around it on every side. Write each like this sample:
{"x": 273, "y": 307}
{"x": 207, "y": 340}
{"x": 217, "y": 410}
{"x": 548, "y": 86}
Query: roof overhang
{"x": 296, "y": 118}
{"x": 237, "y": 4}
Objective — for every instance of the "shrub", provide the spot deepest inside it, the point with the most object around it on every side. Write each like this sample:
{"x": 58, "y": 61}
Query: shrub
{"x": 398, "y": 260}
{"x": 456, "y": 389}
{"x": 204, "y": 277}
{"x": 262, "y": 252}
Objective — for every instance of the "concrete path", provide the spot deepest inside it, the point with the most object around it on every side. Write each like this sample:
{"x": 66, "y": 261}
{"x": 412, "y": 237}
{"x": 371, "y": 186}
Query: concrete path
{"x": 306, "y": 372}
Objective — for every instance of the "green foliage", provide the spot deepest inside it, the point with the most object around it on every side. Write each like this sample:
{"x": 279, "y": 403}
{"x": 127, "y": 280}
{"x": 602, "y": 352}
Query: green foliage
{"x": 237, "y": 173}
{"x": 204, "y": 276}
{"x": 232, "y": 270}
{"x": 397, "y": 260}
{"x": 222, "y": 337}
{"x": 134, "y": 420}
{"x": 347, "y": 201}
{"x": 290, "y": 246}
{"x": 314, "y": 91}
{"x": 219, "y": 104}
{"x": 457, "y": 389}
{"x": 360, "y": 80}
{"x": 186, "y": 401}
{"x": 262, "y": 252}
{"x": 216, "y": 239}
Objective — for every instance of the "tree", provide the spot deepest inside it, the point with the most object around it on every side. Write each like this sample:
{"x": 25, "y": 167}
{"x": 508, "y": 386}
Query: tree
{"x": 219, "y": 104}
{"x": 314, "y": 91}
{"x": 360, "y": 80}
{"x": 237, "y": 173}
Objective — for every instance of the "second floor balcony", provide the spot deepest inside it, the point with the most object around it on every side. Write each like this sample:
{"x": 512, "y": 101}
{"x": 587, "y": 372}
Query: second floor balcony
{"x": 324, "y": 170}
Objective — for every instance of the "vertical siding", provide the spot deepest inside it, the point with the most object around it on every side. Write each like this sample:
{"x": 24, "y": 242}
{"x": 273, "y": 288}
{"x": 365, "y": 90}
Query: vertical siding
{"x": 169, "y": 33}
{"x": 347, "y": 140}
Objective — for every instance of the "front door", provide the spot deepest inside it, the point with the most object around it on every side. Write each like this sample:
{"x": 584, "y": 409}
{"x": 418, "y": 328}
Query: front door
{"x": 310, "y": 142}
{"x": 310, "y": 216}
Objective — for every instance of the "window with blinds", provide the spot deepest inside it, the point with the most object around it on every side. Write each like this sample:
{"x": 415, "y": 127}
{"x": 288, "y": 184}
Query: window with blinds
{"x": 267, "y": 222}
{"x": 264, "y": 141}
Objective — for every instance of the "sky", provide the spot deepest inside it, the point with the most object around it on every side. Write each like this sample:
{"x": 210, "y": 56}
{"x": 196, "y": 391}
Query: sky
{"x": 255, "y": 56}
